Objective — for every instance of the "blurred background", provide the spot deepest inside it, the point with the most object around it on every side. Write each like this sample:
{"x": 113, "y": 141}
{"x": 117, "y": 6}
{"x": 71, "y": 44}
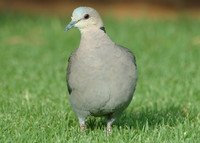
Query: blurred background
{"x": 153, "y": 8}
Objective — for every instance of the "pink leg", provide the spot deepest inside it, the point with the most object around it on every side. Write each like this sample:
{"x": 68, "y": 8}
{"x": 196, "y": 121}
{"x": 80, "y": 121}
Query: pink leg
{"x": 109, "y": 129}
{"x": 82, "y": 123}
{"x": 109, "y": 124}
{"x": 82, "y": 127}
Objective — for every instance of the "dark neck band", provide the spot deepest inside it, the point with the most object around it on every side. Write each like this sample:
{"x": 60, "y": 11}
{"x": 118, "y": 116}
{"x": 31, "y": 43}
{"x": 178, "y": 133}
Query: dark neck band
{"x": 103, "y": 28}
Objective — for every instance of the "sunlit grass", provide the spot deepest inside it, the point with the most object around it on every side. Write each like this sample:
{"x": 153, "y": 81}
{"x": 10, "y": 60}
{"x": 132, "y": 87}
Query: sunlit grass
{"x": 34, "y": 104}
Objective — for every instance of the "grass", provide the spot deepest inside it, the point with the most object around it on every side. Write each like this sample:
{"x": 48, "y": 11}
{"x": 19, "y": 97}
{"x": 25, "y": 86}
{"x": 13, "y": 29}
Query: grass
{"x": 34, "y": 105}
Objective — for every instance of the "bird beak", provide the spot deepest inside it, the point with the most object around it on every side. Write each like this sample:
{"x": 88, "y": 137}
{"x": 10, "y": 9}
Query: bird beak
{"x": 70, "y": 25}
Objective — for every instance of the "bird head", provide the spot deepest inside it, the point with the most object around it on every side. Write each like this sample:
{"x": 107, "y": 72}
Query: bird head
{"x": 85, "y": 18}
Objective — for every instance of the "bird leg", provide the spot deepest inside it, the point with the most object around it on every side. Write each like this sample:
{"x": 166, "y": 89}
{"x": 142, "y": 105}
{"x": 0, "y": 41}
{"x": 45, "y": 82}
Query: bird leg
{"x": 108, "y": 128}
{"x": 82, "y": 127}
{"x": 82, "y": 123}
{"x": 109, "y": 124}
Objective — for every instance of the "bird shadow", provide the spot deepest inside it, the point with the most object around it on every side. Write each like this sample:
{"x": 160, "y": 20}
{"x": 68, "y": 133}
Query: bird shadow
{"x": 147, "y": 117}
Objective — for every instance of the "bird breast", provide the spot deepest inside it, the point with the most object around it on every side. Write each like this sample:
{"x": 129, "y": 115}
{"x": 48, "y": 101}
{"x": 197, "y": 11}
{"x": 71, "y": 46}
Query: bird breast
{"x": 102, "y": 80}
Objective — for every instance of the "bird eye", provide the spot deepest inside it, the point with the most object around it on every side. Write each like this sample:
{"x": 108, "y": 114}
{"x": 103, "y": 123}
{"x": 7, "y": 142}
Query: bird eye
{"x": 86, "y": 16}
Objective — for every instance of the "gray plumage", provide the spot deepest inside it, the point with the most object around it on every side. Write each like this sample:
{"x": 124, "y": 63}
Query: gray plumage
{"x": 101, "y": 75}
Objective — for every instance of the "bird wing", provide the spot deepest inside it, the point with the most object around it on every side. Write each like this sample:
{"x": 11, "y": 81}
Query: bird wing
{"x": 129, "y": 53}
{"x": 69, "y": 70}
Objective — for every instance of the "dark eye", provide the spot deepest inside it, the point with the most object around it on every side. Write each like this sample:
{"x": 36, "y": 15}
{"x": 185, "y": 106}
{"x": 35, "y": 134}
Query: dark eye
{"x": 86, "y": 16}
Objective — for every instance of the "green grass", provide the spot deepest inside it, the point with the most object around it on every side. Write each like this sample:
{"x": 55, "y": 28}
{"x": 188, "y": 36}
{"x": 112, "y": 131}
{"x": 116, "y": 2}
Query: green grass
{"x": 34, "y": 105}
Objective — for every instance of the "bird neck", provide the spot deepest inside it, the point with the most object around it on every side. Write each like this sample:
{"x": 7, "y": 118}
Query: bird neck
{"x": 95, "y": 37}
{"x": 95, "y": 45}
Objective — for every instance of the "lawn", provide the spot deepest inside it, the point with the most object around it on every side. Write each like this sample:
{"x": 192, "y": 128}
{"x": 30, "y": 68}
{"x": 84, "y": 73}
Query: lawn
{"x": 34, "y": 105}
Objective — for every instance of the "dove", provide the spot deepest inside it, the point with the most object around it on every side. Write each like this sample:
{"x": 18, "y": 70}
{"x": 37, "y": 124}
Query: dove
{"x": 101, "y": 75}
